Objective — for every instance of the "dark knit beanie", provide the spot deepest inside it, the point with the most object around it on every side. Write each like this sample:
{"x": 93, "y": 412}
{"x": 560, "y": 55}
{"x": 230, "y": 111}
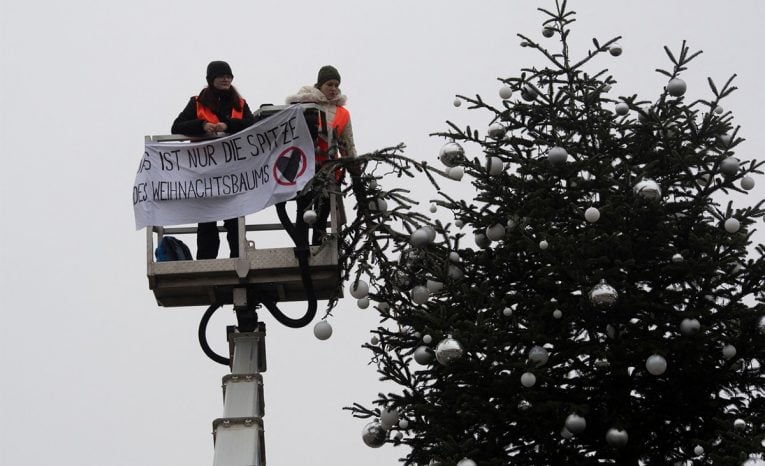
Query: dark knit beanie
{"x": 217, "y": 68}
{"x": 326, "y": 73}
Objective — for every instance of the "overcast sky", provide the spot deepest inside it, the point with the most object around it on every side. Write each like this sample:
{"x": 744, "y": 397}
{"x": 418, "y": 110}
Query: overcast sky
{"x": 93, "y": 371}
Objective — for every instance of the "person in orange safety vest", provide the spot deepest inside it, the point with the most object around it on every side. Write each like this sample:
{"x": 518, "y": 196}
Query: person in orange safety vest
{"x": 326, "y": 93}
{"x": 217, "y": 109}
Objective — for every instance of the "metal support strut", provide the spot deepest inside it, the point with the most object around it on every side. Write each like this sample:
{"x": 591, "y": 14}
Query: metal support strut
{"x": 238, "y": 435}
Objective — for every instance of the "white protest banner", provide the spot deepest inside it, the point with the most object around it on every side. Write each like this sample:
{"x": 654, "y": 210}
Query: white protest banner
{"x": 236, "y": 175}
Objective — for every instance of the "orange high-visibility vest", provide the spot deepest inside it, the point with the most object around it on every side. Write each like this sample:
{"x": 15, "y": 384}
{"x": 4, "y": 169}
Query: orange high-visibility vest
{"x": 204, "y": 113}
{"x": 338, "y": 124}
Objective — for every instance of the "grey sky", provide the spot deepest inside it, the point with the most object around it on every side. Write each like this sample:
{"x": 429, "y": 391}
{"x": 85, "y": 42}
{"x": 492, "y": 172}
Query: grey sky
{"x": 93, "y": 371}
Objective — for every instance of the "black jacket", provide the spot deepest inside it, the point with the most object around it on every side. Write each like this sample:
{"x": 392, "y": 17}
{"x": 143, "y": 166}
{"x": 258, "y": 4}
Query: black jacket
{"x": 188, "y": 124}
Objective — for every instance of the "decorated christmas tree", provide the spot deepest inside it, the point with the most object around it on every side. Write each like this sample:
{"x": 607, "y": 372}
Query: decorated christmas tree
{"x": 599, "y": 300}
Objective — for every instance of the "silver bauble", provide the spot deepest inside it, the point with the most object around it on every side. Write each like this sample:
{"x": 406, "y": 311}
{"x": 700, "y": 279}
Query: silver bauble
{"x": 543, "y": 245}
{"x": 724, "y": 139}
{"x": 420, "y": 238}
{"x": 374, "y": 435}
{"x": 427, "y": 339}
{"x": 656, "y": 364}
{"x": 729, "y": 351}
{"x": 648, "y": 189}
{"x": 524, "y": 405}
{"x": 528, "y": 379}
{"x": 434, "y": 286}
{"x": 689, "y": 326}
{"x": 388, "y": 417}
{"x": 454, "y": 272}
{"x": 451, "y": 154}
{"x": 459, "y": 223}
{"x": 615, "y": 50}
{"x": 617, "y": 437}
{"x": 575, "y": 423}
{"x": 363, "y": 303}
{"x": 592, "y": 214}
{"x": 403, "y": 424}
{"x": 698, "y": 450}
{"x": 496, "y": 131}
{"x": 548, "y": 32}
{"x": 747, "y": 182}
{"x": 603, "y": 295}
{"x": 739, "y": 424}
{"x": 676, "y": 87}
{"x": 420, "y": 294}
{"x": 557, "y": 313}
{"x": 466, "y": 462}
{"x": 448, "y": 351}
{"x": 494, "y": 166}
{"x": 374, "y": 340}
{"x": 383, "y": 306}
{"x": 423, "y": 355}
{"x": 481, "y": 240}
{"x": 557, "y": 155}
{"x": 309, "y": 216}
{"x": 677, "y": 258}
{"x": 457, "y": 102}
{"x": 507, "y": 312}
{"x": 729, "y": 166}
{"x": 622, "y": 108}
{"x": 538, "y": 355}
{"x": 378, "y": 205}
{"x": 455, "y": 173}
{"x": 454, "y": 257}
{"x": 322, "y": 330}
{"x": 565, "y": 433}
{"x": 529, "y": 92}
{"x": 505, "y": 92}
{"x": 732, "y": 225}
{"x": 433, "y": 208}
{"x": 359, "y": 289}
{"x": 718, "y": 110}
{"x": 495, "y": 232}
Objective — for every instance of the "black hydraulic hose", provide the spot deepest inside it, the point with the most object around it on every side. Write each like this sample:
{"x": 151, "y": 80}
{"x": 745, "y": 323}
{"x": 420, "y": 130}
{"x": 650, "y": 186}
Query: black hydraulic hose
{"x": 203, "y": 336}
{"x": 301, "y": 251}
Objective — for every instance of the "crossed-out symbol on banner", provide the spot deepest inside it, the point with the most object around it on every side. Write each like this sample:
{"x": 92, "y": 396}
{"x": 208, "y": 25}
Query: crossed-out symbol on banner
{"x": 289, "y": 166}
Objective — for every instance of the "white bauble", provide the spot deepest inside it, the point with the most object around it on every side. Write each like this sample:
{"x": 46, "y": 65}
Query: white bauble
{"x": 451, "y": 154}
{"x": 454, "y": 257}
{"x": 322, "y": 330}
{"x": 496, "y": 131}
{"x": 455, "y": 173}
{"x": 656, "y": 364}
{"x": 457, "y": 102}
{"x": 423, "y": 355}
{"x": 592, "y": 214}
{"x": 557, "y": 155}
{"x": 676, "y": 87}
{"x": 729, "y": 351}
{"x": 575, "y": 423}
{"x": 459, "y": 223}
{"x": 309, "y": 216}
{"x": 374, "y": 435}
{"x": 359, "y": 289}
{"x": 448, "y": 350}
{"x": 427, "y": 339}
{"x": 617, "y": 437}
{"x": 374, "y": 340}
{"x": 433, "y": 208}
{"x": 528, "y": 379}
{"x": 539, "y": 355}
{"x": 388, "y": 417}
{"x": 732, "y": 225}
{"x": 495, "y": 232}
{"x": 557, "y": 313}
{"x": 505, "y": 92}
{"x": 403, "y": 424}
{"x": 494, "y": 166}
{"x": 677, "y": 258}
{"x": 718, "y": 109}
{"x": 434, "y": 286}
{"x": 747, "y": 182}
{"x": 543, "y": 245}
{"x": 363, "y": 303}
{"x": 507, "y": 312}
{"x": 698, "y": 450}
{"x": 739, "y": 424}
{"x": 689, "y": 326}
{"x": 622, "y": 108}
{"x": 603, "y": 294}
{"x": 466, "y": 462}
{"x": 615, "y": 50}
{"x": 420, "y": 294}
